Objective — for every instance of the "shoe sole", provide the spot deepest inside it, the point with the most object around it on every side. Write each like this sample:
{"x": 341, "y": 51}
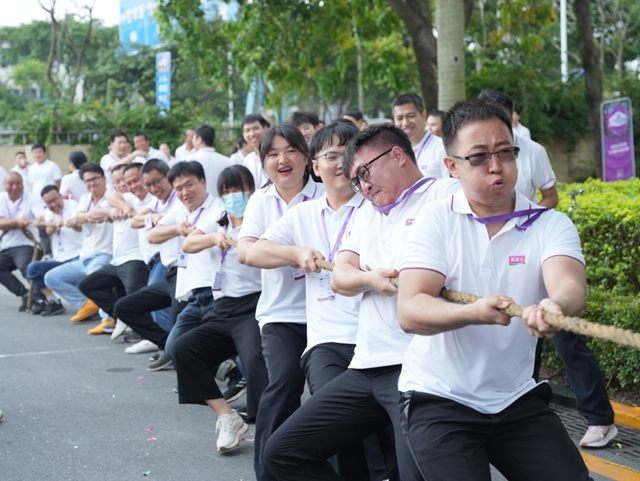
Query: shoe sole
{"x": 601, "y": 444}
{"x": 236, "y": 443}
{"x": 54, "y": 313}
{"x": 161, "y": 367}
{"x": 237, "y": 396}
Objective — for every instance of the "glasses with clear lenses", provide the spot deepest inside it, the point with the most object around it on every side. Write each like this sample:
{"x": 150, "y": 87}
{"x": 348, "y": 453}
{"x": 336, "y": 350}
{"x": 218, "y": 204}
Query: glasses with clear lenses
{"x": 154, "y": 184}
{"x": 331, "y": 157}
{"x": 483, "y": 158}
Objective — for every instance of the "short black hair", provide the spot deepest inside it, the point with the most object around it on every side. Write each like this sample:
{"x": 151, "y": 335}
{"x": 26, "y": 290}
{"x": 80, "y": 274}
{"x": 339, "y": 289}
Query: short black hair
{"x": 502, "y": 99}
{"x": 323, "y": 138}
{"x": 77, "y": 158}
{"x": 38, "y": 145}
{"x": 91, "y": 167}
{"x": 384, "y": 135}
{"x": 182, "y": 169}
{"x": 437, "y": 113}
{"x": 117, "y": 133}
{"x": 119, "y": 167}
{"x": 48, "y": 188}
{"x": 19, "y": 153}
{"x": 518, "y": 109}
{"x": 295, "y": 139}
{"x": 251, "y": 118}
{"x": 408, "y": 98}
{"x": 141, "y": 134}
{"x": 155, "y": 164}
{"x": 134, "y": 165}
{"x": 470, "y": 111}
{"x": 299, "y": 118}
{"x": 355, "y": 113}
{"x": 207, "y": 134}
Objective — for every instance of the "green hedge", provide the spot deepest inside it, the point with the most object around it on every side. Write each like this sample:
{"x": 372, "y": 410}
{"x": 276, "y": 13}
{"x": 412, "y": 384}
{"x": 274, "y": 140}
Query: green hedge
{"x": 607, "y": 216}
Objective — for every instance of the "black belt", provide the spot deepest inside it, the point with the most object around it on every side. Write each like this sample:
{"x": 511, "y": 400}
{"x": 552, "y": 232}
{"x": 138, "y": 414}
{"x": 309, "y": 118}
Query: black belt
{"x": 200, "y": 290}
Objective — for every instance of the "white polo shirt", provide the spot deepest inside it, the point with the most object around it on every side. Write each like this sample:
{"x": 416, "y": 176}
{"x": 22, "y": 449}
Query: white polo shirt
{"x": 253, "y": 163}
{"x": 213, "y": 163}
{"x": 430, "y": 156}
{"x": 98, "y": 238}
{"x": 42, "y": 175}
{"x": 168, "y": 249}
{"x": 183, "y": 154}
{"x": 534, "y": 168}
{"x": 72, "y": 186}
{"x": 152, "y": 154}
{"x": 485, "y": 367}
{"x": 237, "y": 279}
{"x": 105, "y": 162}
{"x": 126, "y": 240}
{"x": 378, "y": 239}
{"x": 147, "y": 250}
{"x": 330, "y": 317}
{"x": 522, "y": 131}
{"x": 26, "y": 206}
{"x": 66, "y": 243}
{"x": 283, "y": 299}
{"x": 194, "y": 270}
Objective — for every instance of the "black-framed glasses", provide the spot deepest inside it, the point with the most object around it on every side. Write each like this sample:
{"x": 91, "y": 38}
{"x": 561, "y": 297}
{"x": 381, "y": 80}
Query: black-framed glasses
{"x": 363, "y": 173}
{"x": 92, "y": 179}
{"x": 154, "y": 184}
{"x": 332, "y": 157}
{"x": 483, "y": 158}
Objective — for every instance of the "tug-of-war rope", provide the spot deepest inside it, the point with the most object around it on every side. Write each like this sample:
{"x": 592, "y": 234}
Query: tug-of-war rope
{"x": 37, "y": 249}
{"x": 617, "y": 335}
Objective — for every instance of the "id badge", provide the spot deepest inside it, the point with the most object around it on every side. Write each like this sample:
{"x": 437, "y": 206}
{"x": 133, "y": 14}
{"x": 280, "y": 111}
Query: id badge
{"x": 182, "y": 260}
{"x": 148, "y": 223}
{"x": 60, "y": 247}
{"x": 325, "y": 293}
{"x": 217, "y": 281}
{"x": 298, "y": 273}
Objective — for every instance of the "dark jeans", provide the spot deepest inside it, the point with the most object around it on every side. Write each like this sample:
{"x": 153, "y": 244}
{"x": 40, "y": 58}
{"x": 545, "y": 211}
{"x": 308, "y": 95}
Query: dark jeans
{"x": 525, "y": 442}
{"x": 282, "y": 346}
{"x": 37, "y": 269}
{"x": 190, "y": 317}
{"x": 354, "y": 405}
{"x": 229, "y": 329}
{"x": 110, "y": 283}
{"x": 11, "y": 259}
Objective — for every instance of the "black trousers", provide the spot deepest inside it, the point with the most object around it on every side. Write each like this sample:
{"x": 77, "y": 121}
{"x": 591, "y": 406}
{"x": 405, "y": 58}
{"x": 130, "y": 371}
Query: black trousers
{"x": 110, "y": 283}
{"x": 282, "y": 346}
{"x": 134, "y": 309}
{"x": 525, "y": 442}
{"x": 228, "y": 330}
{"x": 360, "y": 460}
{"x": 349, "y": 408}
{"x": 11, "y": 259}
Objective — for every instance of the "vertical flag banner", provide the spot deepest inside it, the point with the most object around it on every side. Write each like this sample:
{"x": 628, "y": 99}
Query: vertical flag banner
{"x": 616, "y": 125}
{"x": 163, "y": 80}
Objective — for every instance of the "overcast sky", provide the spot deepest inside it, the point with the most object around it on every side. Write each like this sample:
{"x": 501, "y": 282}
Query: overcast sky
{"x": 26, "y": 11}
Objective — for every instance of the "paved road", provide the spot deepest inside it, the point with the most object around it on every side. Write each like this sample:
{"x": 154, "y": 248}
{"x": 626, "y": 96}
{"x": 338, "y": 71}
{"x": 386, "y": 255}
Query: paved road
{"x": 77, "y": 408}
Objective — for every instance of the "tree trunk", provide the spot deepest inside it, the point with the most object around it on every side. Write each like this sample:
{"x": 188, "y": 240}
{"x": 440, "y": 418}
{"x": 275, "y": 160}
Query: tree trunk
{"x": 593, "y": 77}
{"x": 451, "y": 73}
{"x": 416, "y": 15}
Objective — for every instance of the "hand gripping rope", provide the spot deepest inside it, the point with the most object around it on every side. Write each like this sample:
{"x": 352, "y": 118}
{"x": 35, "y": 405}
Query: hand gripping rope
{"x": 617, "y": 335}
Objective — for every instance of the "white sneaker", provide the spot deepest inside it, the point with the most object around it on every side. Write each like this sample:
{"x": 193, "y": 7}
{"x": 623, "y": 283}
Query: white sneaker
{"x": 599, "y": 436}
{"x": 119, "y": 329}
{"x": 230, "y": 427}
{"x": 141, "y": 347}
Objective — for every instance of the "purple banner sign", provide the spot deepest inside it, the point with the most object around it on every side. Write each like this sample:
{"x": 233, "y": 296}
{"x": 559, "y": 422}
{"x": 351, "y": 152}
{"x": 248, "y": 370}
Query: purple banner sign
{"x": 616, "y": 124}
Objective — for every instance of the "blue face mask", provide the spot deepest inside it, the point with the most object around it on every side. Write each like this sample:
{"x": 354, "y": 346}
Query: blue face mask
{"x": 235, "y": 203}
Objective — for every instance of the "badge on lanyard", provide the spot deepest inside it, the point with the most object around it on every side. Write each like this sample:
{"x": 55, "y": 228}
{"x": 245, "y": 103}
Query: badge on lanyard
{"x": 182, "y": 260}
{"x": 325, "y": 293}
{"x": 298, "y": 273}
{"x": 148, "y": 223}
{"x": 218, "y": 281}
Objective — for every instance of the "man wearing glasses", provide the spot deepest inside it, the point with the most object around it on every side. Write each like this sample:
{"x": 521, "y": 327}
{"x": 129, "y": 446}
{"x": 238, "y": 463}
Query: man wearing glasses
{"x": 381, "y": 165}
{"x": 92, "y": 216}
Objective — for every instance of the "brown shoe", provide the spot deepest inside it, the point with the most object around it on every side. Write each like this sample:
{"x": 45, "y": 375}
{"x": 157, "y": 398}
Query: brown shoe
{"x": 86, "y": 311}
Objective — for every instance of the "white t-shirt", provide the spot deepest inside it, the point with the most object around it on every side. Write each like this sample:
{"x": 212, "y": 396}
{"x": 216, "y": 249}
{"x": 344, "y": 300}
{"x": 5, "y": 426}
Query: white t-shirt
{"x": 534, "y": 169}
{"x": 183, "y": 154}
{"x": 237, "y": 279}
{"x": 98, "y": 238}
{"x": 168, "y": 249}
{"x": 330, "y": 318}
{"x": 42, "y": 175}
{"x": 24, "y": 173}
{"x": 283, "y": 299}
{"x": 66, "y": 243}
{"x": 152, "y": 154}
{"x": 522, "y": 131}
{"x": 253, "y": 163}
{"x": 213, "y": 163}
{"x": 237, "y": 157}
{"x": 25, "y": 207}
{"x": 105, "y": 162}
{"x": 378, "y": 239}
{"x": 484, "y": 367}
{"x": 147, "y": 250}
{"x": 3, "y": 174}
{"x": 126, "y": 239}
{"x": 430, "y": 156}
{"x": 194, "y": 270}
{"x": 72, "y": 186}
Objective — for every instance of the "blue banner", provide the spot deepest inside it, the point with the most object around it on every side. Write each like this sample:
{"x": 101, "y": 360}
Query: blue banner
{"x": 137, "y": 24}
{"x": 163, "y": 80}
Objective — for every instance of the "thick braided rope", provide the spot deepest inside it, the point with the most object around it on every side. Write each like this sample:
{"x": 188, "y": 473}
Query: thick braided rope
{"x": 617, "y": 335}
{"x": 34, "y": 257}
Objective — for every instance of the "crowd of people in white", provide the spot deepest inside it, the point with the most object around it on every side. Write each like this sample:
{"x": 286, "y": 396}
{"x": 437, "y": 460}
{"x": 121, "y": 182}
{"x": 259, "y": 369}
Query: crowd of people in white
{"x": 210, "y": 263}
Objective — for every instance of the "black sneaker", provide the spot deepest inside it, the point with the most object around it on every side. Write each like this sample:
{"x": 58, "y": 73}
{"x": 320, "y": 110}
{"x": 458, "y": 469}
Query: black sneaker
{"x": 23, "y": 306}
{"x": 133, "y": 338}
{"x": 53, "y": 308}
{"x": 163, "y": 362}
{"x": 38, "y": 307}
{"x": 236, "y": 390}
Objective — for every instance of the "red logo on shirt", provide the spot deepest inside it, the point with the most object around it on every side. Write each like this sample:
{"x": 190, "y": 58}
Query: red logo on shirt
{"x": 409, "y": 222}
{"x": 515, "y": 260}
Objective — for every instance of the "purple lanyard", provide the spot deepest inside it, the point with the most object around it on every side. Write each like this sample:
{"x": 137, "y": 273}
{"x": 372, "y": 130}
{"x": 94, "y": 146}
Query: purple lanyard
{"x": 173, "y": 194}
{"x": 518, "y": 213}
{"x": 15, "y": 212}
{"x": 59, "y": 229}
{"x": 424, "y": 145}
{"x": 304, "y": 199}
{"x": 387, "y": 208}
{"x": 91, "y": 202}
{"x": 224, "y": 251}
{"x": 197, "y": 217}
{"x": 340, "y": 234}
